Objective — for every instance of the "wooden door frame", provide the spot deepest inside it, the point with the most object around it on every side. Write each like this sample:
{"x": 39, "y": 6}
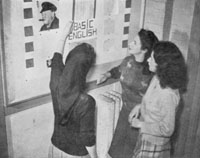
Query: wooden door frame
{"x": 187, "y": 141}
{"x": 3, "y": 134}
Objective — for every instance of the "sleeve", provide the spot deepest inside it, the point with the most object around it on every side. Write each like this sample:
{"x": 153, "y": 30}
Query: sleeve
{"x": 57, "y": 67}
{"x": 165, "y": 125}
{"x": 115, "y": 72}
{"x": 67, "y": 90}
{"x": 87, "y": 135}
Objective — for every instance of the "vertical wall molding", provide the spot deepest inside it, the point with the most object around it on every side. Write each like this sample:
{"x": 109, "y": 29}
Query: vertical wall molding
{"x": 188, "y": 141}
{"x": 3, "y": 134}
{"x": 168, "y": 19}
{"x": 194, "y": 91}
{"x": 135, "y": 17}
{"x": 142, "y": 17}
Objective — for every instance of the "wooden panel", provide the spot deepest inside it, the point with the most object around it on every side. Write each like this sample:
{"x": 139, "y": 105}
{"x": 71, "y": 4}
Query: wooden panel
{"x": 135, "y": 17}
{"x": 189, "y": 120}
{"x": 196, "y": 151}
{"x": 195, "y": 108}
{"x": 167, "y": 19}
{"x": 154, "y": 16}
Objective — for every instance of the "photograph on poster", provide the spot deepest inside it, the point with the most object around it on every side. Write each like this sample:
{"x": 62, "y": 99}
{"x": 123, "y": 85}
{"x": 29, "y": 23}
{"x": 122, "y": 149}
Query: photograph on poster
{"x": 49, "y": 18}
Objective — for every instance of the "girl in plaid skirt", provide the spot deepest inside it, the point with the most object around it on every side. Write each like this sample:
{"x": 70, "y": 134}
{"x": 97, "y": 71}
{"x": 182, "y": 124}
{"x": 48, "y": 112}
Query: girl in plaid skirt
{"x": 155, "y": 116}
{"x": 147, "y": 149}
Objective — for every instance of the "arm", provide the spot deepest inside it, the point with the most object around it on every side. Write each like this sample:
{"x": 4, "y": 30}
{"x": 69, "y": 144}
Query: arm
{"x": 113, "y": 73}
{"x": 165, "y": 126}
{"x": 57, "y": 65}
{"x": 63, "y": 36}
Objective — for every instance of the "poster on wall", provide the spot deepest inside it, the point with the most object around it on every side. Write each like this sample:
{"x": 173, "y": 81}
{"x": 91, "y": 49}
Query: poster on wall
{"x": 32, "y": 28}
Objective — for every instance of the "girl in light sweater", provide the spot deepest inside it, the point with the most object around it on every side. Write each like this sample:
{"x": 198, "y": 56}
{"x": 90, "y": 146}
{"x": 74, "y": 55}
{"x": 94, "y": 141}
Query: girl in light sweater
{"x": 155, "y": 116}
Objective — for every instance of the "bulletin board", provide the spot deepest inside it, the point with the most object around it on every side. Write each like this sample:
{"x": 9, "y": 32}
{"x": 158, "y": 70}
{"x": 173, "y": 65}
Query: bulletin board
{"x": 102, "y": 23}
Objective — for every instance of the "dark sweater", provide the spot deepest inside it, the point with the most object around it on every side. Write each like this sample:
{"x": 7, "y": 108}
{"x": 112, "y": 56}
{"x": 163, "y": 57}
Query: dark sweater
{"x": 79, "y": 130}
{"x": 134, "y": 83}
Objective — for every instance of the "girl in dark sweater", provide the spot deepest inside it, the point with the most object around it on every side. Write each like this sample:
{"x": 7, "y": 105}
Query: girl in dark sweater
{"x": 74, "y": 110}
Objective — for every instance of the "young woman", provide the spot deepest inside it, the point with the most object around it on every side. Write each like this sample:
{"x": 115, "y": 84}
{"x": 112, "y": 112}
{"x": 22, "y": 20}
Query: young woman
{"x": 155, "y": 116}
{"x": 134, "y": 77}
{"x": 74, "y": 125}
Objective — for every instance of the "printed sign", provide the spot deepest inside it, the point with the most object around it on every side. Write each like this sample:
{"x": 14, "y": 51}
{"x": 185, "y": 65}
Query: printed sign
{"x": 83, "y": 30}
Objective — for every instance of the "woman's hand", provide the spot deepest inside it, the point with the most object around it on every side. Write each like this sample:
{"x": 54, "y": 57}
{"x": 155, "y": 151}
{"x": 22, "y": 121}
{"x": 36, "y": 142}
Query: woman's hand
{"x": 63, "y": 36}
{"x": 134, "y": 113}
{"x": 103, "y": 77}
{"x": 136, "y": 123}
{"x": 68, "y": 28}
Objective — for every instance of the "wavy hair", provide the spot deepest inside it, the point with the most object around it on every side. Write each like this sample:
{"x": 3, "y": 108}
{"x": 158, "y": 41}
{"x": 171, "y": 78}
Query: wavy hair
{"x": 148, "y": 39}
{"x": 171, "y": 66}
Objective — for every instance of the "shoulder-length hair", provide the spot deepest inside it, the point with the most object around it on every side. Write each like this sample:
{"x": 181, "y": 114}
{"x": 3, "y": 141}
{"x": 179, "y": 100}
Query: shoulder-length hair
{"x": 171, "y": 66}
{"x": 148, "y": 39}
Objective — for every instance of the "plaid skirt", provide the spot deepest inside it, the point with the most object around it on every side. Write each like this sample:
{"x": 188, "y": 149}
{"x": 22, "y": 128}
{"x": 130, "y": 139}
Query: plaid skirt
{"x": 146, "y": 149}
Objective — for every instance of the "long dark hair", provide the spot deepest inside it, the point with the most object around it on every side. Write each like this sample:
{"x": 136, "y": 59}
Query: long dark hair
{"x": 73, "y": 79}
{"x": 148, "y": 39}
{"x": 171, "y": 66}
{"x": 80, "y": 60}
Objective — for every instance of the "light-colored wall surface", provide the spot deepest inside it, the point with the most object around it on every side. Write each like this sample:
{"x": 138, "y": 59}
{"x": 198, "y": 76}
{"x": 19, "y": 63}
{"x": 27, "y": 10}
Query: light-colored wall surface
{"x": 154, "y": 16}
{"x": 183, "y": 11}
{"x": 29, "y": 132}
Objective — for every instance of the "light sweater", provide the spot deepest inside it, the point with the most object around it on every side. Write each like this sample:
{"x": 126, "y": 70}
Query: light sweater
{"x": 158, "y": 110}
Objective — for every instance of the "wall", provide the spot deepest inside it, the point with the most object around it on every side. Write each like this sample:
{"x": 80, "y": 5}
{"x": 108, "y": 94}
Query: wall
{"x": 147, "y": 14}
{"x": 29, "y": 132}
{"x": 183, "y": 12}
{"x": 154, "y": 16}
{"x": 27, "y": 48}
{"x": 187, "y": 144}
